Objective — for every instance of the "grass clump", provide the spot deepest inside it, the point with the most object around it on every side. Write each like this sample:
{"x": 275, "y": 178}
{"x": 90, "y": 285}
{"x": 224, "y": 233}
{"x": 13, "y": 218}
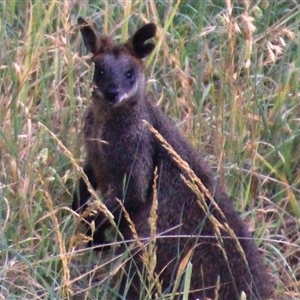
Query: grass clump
{"x": 226, "y": 71}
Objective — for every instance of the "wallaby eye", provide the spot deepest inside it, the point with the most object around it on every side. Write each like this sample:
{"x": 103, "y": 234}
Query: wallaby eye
{"x": 98, "y": 75}
{"x": 130, "y": 75}
{"x": 99, "y": 71}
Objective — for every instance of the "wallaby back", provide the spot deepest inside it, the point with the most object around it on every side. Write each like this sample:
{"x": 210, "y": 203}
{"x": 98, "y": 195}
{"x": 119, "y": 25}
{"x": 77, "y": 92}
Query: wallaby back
{"x": 122, "y": 154}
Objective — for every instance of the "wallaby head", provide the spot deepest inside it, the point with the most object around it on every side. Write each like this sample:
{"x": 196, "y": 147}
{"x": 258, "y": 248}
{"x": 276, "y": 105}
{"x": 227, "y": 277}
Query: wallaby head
{"x": 119, "y": 74}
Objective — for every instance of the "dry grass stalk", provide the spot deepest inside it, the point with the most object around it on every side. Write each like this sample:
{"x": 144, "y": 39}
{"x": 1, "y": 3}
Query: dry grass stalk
{"x": 79, "y": 169}
{"x": 201, "y": 191}
{"x": 147, "y": 258}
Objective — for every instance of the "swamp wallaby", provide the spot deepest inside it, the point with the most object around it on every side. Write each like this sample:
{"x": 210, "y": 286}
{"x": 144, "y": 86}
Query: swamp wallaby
{"x": 122, "y": 154}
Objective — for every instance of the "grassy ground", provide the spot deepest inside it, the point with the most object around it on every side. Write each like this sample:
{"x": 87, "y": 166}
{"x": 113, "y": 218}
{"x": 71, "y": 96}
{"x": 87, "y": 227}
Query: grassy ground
{"x": 226, "y": 71}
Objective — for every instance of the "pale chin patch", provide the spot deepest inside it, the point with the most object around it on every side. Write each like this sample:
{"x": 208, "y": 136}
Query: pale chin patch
{"x": 123, "y": 98}
{"x": 119, "y": 99}
{"x": 128, "y": 95}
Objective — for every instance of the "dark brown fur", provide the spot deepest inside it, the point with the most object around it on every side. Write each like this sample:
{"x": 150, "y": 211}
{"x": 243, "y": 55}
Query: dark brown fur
{"x": 121, "y": 149}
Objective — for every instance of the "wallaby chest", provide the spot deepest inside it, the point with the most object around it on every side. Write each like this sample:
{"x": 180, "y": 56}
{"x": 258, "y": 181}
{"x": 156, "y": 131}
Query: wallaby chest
{"x": 115, "y": 141}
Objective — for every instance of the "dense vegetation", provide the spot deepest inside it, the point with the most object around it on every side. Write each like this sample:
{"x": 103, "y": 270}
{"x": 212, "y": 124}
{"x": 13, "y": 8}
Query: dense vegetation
{"x": 227, "y": 72}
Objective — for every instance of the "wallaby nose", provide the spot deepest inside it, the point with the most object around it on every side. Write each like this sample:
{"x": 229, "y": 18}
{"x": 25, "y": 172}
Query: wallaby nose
{"x": 111, "y": 93}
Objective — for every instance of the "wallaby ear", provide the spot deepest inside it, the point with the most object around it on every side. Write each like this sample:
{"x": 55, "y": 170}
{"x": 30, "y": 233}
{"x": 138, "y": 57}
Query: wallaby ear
{"x": 89, "y": 35}
{"x": 138, "y": 40}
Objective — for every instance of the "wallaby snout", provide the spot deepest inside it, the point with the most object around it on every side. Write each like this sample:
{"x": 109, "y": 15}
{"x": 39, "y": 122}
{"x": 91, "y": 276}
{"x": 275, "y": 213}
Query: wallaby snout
{"x": 112, "y": 93}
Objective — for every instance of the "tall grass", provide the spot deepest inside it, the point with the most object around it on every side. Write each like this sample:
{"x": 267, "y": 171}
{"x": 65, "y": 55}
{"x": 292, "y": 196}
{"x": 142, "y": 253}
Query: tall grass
{"x": 226, "y": 71}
